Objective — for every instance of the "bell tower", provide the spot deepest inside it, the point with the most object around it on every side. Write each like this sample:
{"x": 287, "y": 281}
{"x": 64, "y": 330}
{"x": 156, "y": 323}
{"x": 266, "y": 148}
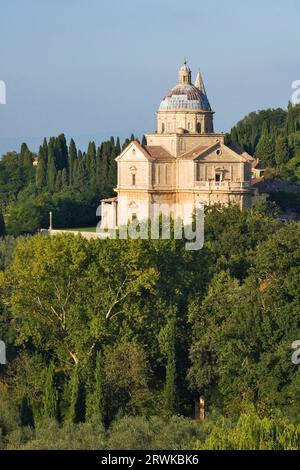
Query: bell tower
{"x": 185, "y": 75}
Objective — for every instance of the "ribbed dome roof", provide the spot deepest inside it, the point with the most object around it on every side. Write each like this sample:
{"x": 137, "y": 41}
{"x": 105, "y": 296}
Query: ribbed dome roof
{"x": 185, "y": 97}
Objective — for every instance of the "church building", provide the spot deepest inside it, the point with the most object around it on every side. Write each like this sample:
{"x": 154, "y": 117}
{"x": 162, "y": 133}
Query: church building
{"x": 185, "y": 162}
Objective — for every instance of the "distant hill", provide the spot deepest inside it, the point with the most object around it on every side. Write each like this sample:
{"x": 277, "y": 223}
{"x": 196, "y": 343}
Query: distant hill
{"x": 273, "y": 136}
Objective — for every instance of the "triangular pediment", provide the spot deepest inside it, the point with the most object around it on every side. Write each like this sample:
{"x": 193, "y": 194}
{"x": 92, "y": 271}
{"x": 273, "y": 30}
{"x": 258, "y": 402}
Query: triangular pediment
{"x": 134, "y": 152}
{"x": 220, "y": 153}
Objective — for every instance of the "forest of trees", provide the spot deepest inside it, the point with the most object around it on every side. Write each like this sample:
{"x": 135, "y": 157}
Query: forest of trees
{"x": 110, "y": 342}
{"x": 272, "y": 136}
{"x": 61, "y": 179}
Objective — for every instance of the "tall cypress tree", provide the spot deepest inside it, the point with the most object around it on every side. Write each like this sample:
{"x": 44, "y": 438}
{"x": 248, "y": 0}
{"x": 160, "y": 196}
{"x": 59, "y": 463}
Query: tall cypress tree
{"x": 61, "y": 152}
{"x": 81, "y": 176}
{"x": 118, "y": 146}
{"x": 91, "y": 165}
{"x": 64, "y": 179}
{"x": 72, "y": 157}
{"x": 58, "y": 181}
{"x": 26, "y": 413}
{"x": 265, "y": 150}
{"x": 2, "y": 225}
{"x": 100, "y": 171}
{"x": 41, "y": 170}
{"x": 290, "y": 122}
{"x": 24, "y": 149}
{"x": 170, "y": 385}
{"x": 95, "y": 402}
{"x": 281, "y": 151}
{"x": 112, "y": 169}
{"x": 76, "y": 412}
{"x": 50, "y": 394}
{"x": 51, "y": 168}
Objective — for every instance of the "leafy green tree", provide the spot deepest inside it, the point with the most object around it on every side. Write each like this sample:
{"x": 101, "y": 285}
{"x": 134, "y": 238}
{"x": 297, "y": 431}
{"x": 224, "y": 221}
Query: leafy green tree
{"x": 253, "y": 432}
{"x": 265, "y": 150}
{"x": 127, "y": 376}
{"x": 64, "y": 285}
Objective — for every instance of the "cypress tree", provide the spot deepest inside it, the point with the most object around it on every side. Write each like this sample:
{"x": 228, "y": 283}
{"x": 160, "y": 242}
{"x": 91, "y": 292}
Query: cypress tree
{"x": 144, "y": 141}
{"x": 128, "y": 141}
{"x": 95, "y": 402}
{"x": 81, "y": 181}
{"x": 61, "y": 152}
{"x": 290, "y": 119}
{"x": 91, "y": 165}
{"x": 26, "y": 414}
{"x": 265, "y": 150}
{"x": 76, "y": 410}
{"x": 281, "y": 151}
{"x": 41, "y": 170}
{"x": 170, "y": 385}
{"x": 118, "y": 146}
{"x": 72, "y": 157}
{"x": 2, "y": 225}
{"x": 23, "y": 150}
{"x": 50, "y": 394}
{"x": 27, "y": 160}
{"x": 112, "y": 169}
{"x": 51, "y": 168}
{"x": 64, "y": 179}
{"x": 100, "y": 171}
{"x": 58, "y": 181}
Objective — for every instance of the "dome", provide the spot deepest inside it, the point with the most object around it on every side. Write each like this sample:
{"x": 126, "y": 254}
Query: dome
{"x": 185, "y": 97}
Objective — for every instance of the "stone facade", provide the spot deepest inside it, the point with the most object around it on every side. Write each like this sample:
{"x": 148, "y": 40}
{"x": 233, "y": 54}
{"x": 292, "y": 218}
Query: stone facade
{"x": 184, "y": 163}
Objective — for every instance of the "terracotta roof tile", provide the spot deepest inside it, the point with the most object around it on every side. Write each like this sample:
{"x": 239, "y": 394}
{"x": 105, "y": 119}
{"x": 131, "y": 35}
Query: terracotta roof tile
{"x": 195, "y": 152}
{"x": 158, "y": 153}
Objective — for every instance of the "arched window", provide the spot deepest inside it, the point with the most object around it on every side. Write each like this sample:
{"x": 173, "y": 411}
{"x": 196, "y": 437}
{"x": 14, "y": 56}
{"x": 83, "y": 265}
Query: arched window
{"x": 163, "y": 127}
{"x": 198, "y": 127}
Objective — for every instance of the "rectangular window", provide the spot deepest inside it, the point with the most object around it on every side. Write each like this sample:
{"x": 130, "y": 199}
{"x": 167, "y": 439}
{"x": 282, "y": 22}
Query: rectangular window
{"x": 133, "y": 180}
{"x": 198, "y": 172}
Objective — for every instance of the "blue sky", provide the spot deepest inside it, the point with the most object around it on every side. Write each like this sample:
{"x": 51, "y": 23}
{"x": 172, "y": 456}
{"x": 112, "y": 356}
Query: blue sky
{"x": 92, "y": 69}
